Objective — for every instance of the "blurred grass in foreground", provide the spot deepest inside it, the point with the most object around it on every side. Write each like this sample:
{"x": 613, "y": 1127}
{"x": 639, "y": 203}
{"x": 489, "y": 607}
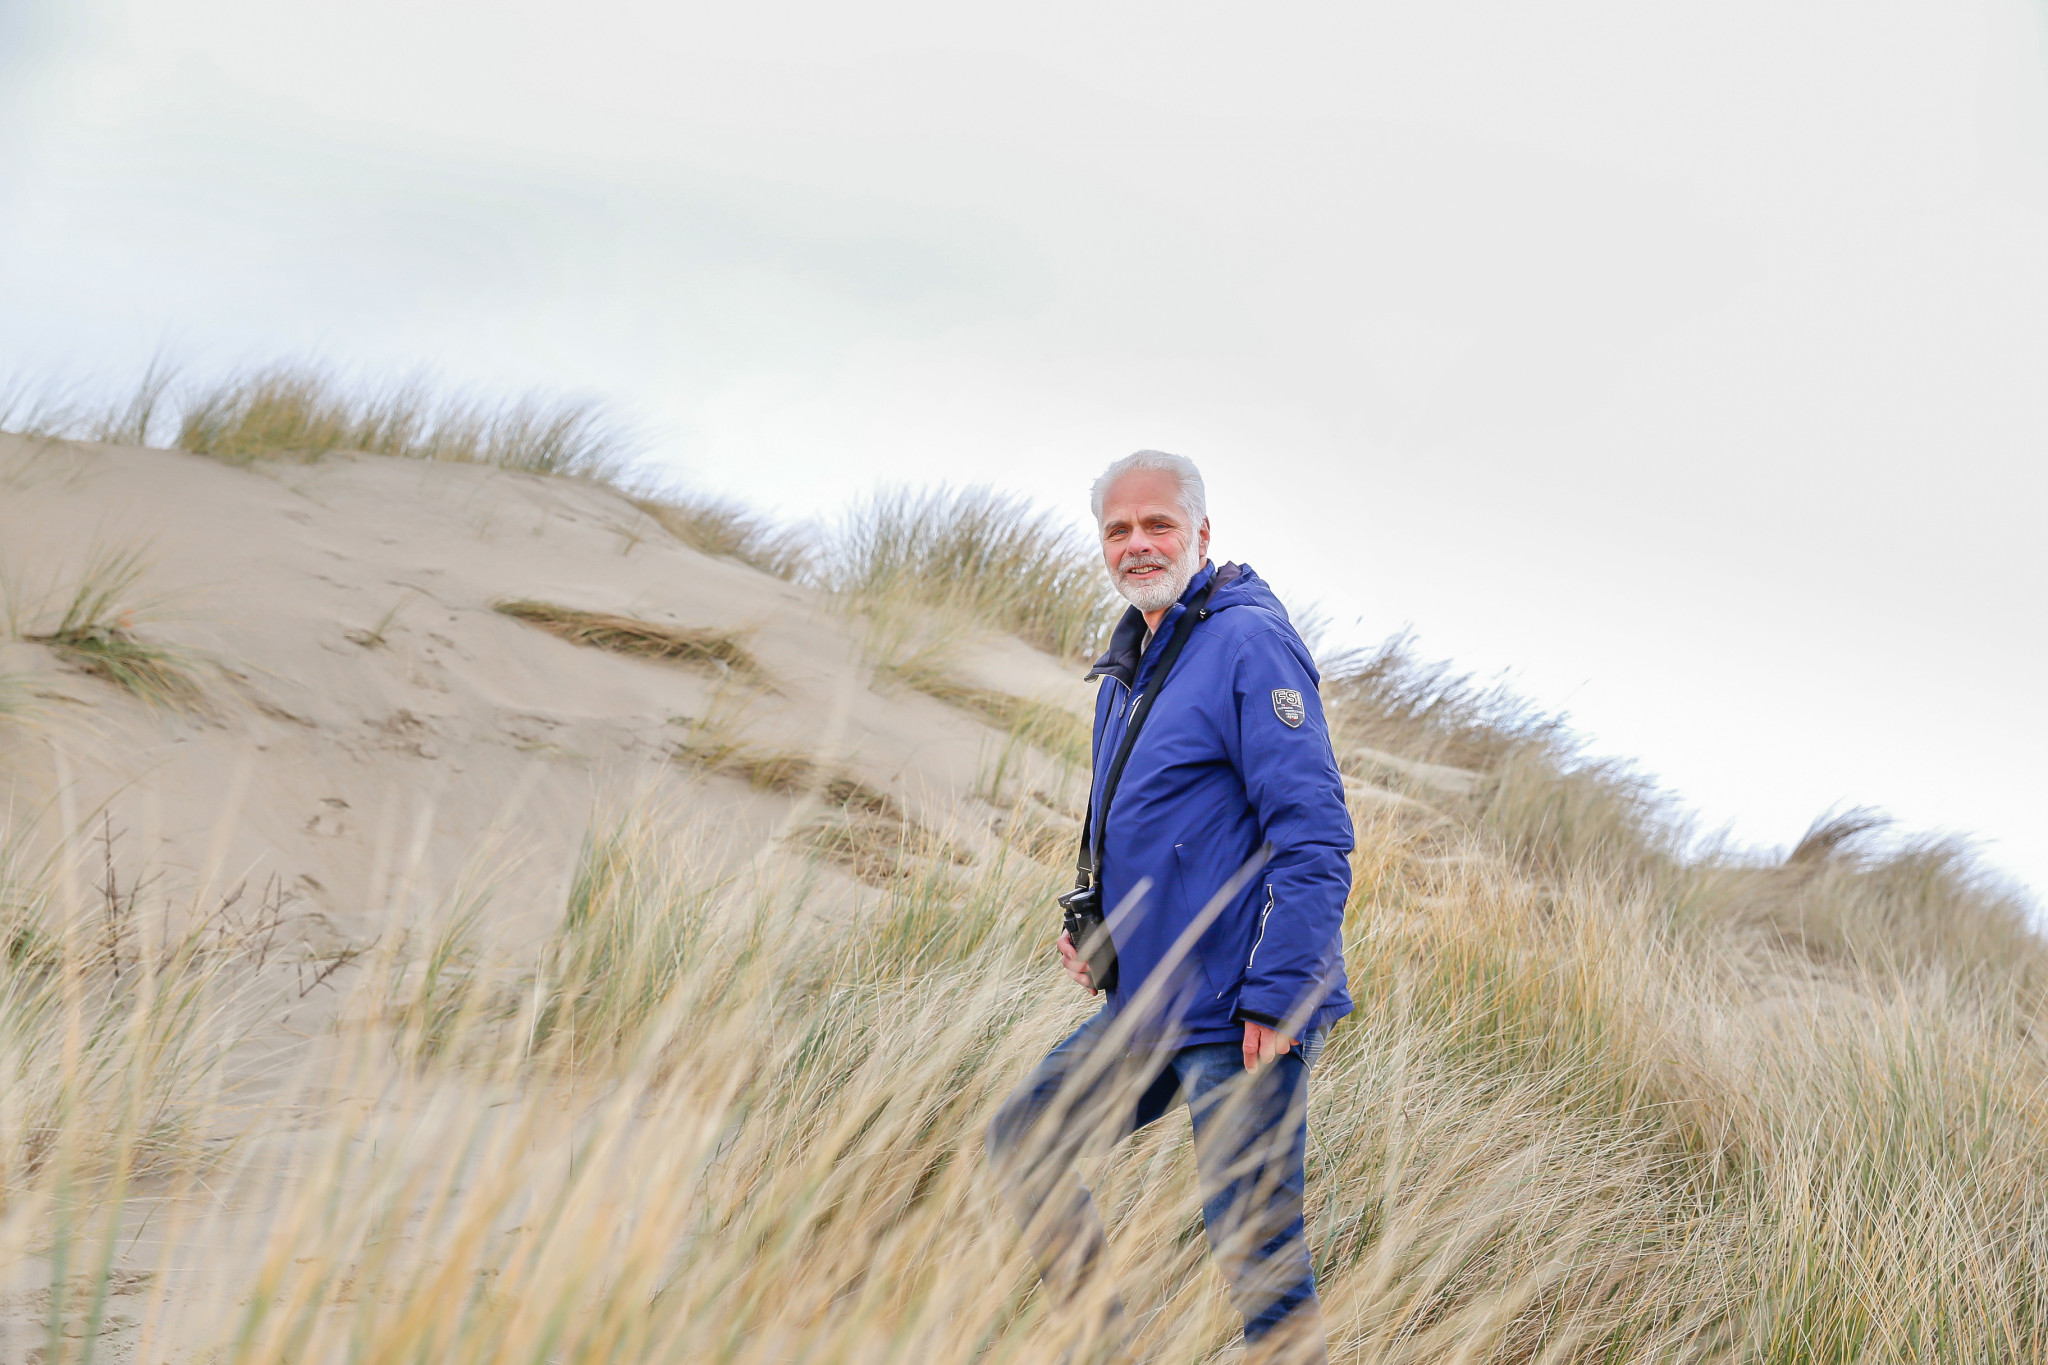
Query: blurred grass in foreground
{"x": 1604, "y": 1099}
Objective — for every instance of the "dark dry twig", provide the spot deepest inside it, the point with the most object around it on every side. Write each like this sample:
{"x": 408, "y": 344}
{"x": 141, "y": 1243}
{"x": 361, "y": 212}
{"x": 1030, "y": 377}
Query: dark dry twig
{"x": 341, "y": 958}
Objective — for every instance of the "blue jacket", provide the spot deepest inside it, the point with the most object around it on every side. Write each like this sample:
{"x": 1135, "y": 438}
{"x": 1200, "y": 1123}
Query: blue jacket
{"x": 1234, "y": 757}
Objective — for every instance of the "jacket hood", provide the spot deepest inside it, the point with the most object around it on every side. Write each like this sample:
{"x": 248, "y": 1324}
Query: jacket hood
{"x": 1237, "y": 585}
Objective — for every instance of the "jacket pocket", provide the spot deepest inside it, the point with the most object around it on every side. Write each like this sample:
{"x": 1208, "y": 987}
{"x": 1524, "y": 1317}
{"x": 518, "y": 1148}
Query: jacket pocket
{"x": 1221, "y": 949}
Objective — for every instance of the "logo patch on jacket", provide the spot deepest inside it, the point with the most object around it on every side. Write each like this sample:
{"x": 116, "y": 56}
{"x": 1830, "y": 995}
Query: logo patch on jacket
{"x": 1287, "y": 705}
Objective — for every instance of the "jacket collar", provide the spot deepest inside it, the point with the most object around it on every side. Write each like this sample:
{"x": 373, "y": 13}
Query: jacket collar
{"x": 1126, "y": 652}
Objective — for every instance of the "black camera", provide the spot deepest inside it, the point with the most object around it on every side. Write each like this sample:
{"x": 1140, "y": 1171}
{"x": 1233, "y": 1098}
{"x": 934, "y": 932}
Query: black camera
{"x": 1081, "y": 909}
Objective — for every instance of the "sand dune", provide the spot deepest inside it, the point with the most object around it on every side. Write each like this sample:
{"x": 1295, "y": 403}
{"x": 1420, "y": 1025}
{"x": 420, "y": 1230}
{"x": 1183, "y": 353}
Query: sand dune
{"x": 368, "y": 719}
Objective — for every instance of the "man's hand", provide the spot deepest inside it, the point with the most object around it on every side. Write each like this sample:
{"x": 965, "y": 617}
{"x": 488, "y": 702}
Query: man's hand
{"x": 1070, "y": 958}
{"x": 1262, "y": 1045}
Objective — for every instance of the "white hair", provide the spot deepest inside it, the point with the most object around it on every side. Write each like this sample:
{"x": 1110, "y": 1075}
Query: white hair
{"x": 1194, "y": 498}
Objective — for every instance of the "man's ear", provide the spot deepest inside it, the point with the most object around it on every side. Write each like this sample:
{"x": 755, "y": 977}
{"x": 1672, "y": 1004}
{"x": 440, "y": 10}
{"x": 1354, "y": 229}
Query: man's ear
{"x": 1202, "y": 541}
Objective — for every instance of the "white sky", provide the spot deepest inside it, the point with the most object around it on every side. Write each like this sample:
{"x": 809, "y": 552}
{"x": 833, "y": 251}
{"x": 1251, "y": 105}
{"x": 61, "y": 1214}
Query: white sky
{"x": 1686, "y": 360}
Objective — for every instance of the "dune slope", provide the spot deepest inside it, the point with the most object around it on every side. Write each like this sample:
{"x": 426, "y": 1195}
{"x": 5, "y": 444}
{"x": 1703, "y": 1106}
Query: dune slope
{"x": 363, "y": 707}
{"x": 630, "y": 975}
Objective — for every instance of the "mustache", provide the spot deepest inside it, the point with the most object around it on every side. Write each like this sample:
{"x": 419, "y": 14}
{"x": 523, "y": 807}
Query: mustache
{"x": 1143, "y": 561}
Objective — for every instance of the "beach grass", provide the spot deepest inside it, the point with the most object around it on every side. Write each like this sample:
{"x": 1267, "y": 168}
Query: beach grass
{"x": 95, "y": 629}
{"x": 298, "y": 409}
{"x": 974, "y": 554}
{"x": 1606, "y": 1097}
{"x": 718, "y": 651}
{"x": 719, "y": 526}
{"x": 301, "y": 409}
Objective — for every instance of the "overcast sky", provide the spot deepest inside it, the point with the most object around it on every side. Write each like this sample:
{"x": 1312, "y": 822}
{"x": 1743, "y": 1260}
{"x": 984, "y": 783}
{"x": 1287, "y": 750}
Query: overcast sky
{"x": 1687, "y": 360}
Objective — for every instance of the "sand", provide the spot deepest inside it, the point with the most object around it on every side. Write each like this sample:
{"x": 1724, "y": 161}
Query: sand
{"x": 369, "y": 725}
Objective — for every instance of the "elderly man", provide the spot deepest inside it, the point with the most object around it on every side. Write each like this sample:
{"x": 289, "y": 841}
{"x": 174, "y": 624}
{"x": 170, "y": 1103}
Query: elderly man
{"x": 1217, "y": 844}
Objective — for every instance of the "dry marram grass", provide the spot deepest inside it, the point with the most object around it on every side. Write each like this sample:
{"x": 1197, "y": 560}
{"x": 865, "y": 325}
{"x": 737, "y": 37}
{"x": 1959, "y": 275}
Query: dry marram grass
{"x": 1604, "y": 1099}
{"x": 303, "y": 410}
{"x": 720, "y": 527}
{"x": 716, "y": 650}
{"x": 95, "y": 627}
{"x": 976, "y": 554}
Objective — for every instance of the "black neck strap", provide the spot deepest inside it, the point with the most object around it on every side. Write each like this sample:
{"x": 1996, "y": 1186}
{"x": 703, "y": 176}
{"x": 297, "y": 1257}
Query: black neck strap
{"x": 1141, "y": 707}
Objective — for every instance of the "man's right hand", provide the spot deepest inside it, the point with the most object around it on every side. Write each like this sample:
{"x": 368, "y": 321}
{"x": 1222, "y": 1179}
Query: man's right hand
{"x": 1070, "y": 958}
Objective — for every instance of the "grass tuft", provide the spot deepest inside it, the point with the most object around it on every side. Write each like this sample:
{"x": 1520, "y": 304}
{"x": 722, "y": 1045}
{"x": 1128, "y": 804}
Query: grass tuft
{"x": 1041, "y": 835}
{"x": 35, "y": 410}
{"x": 300, "y": 410}
{"x": 717, "y": 651}
{"x": 134, "y": 421}
{"x": 1024, "y": 720}
{"x": 862, "y": 830}
{"x": 988, "y": 557}
{"x": 870, "y": 837}
{"x": 97, "y": 634}
{"x": 786, "y": 772}
{"x": 720, "y": 527}
{"x": 114, "y": 1036}
{"x": 1386, "y": 699}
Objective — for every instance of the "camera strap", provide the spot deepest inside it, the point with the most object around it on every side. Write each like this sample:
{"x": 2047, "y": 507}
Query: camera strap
{"x": 1141, "y": 707}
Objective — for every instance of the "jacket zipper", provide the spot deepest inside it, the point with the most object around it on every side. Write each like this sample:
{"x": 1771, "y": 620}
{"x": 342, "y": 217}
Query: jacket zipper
{"x": 1264, "y": 915}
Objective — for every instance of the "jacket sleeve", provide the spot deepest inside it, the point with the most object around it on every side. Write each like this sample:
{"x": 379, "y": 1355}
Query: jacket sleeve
{"x": 1290, "y": 775}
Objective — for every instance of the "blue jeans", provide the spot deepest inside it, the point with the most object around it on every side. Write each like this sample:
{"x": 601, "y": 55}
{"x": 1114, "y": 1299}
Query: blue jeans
{"x": 1251, "y": 1138}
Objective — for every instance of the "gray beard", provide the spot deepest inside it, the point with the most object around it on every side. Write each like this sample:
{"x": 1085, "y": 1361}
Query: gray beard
{"x": 1160, "y": 593}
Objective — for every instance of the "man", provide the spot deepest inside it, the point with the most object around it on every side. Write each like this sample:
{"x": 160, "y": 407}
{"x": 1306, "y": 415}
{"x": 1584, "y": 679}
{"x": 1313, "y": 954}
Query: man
{"x": 1223, "y": 868}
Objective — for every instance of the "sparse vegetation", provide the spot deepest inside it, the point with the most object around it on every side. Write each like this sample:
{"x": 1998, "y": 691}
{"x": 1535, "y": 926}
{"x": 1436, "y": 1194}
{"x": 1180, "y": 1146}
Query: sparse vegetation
{"x": 134, "y": 422}
{"x": 784, "y": 771}
{"x": 923, "y": 660}
{"x": 374, "y": 637}
{"x": 862, "y": 830}
{"x": 1039, "y": 833}
{"x": 301, "y": 410}
{"x": 988, "y": 557}
{"x": 635, "y": 919}
{"x": 110, "y": 1034}
{"x": 872, "y": 837}
{"x": 37, "y": 411}
{"x": 96, "y": 632}
{"x": 1028, "y": 729}
{"x": 718, "y": 651}
{"x": 721, "y": 527}
{"x": 1385, "y": 699}
{"x": 1049, "y": 728}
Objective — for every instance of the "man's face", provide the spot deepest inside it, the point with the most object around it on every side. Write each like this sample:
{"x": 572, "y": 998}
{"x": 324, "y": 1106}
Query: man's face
{"x": 1151, "y": 551}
